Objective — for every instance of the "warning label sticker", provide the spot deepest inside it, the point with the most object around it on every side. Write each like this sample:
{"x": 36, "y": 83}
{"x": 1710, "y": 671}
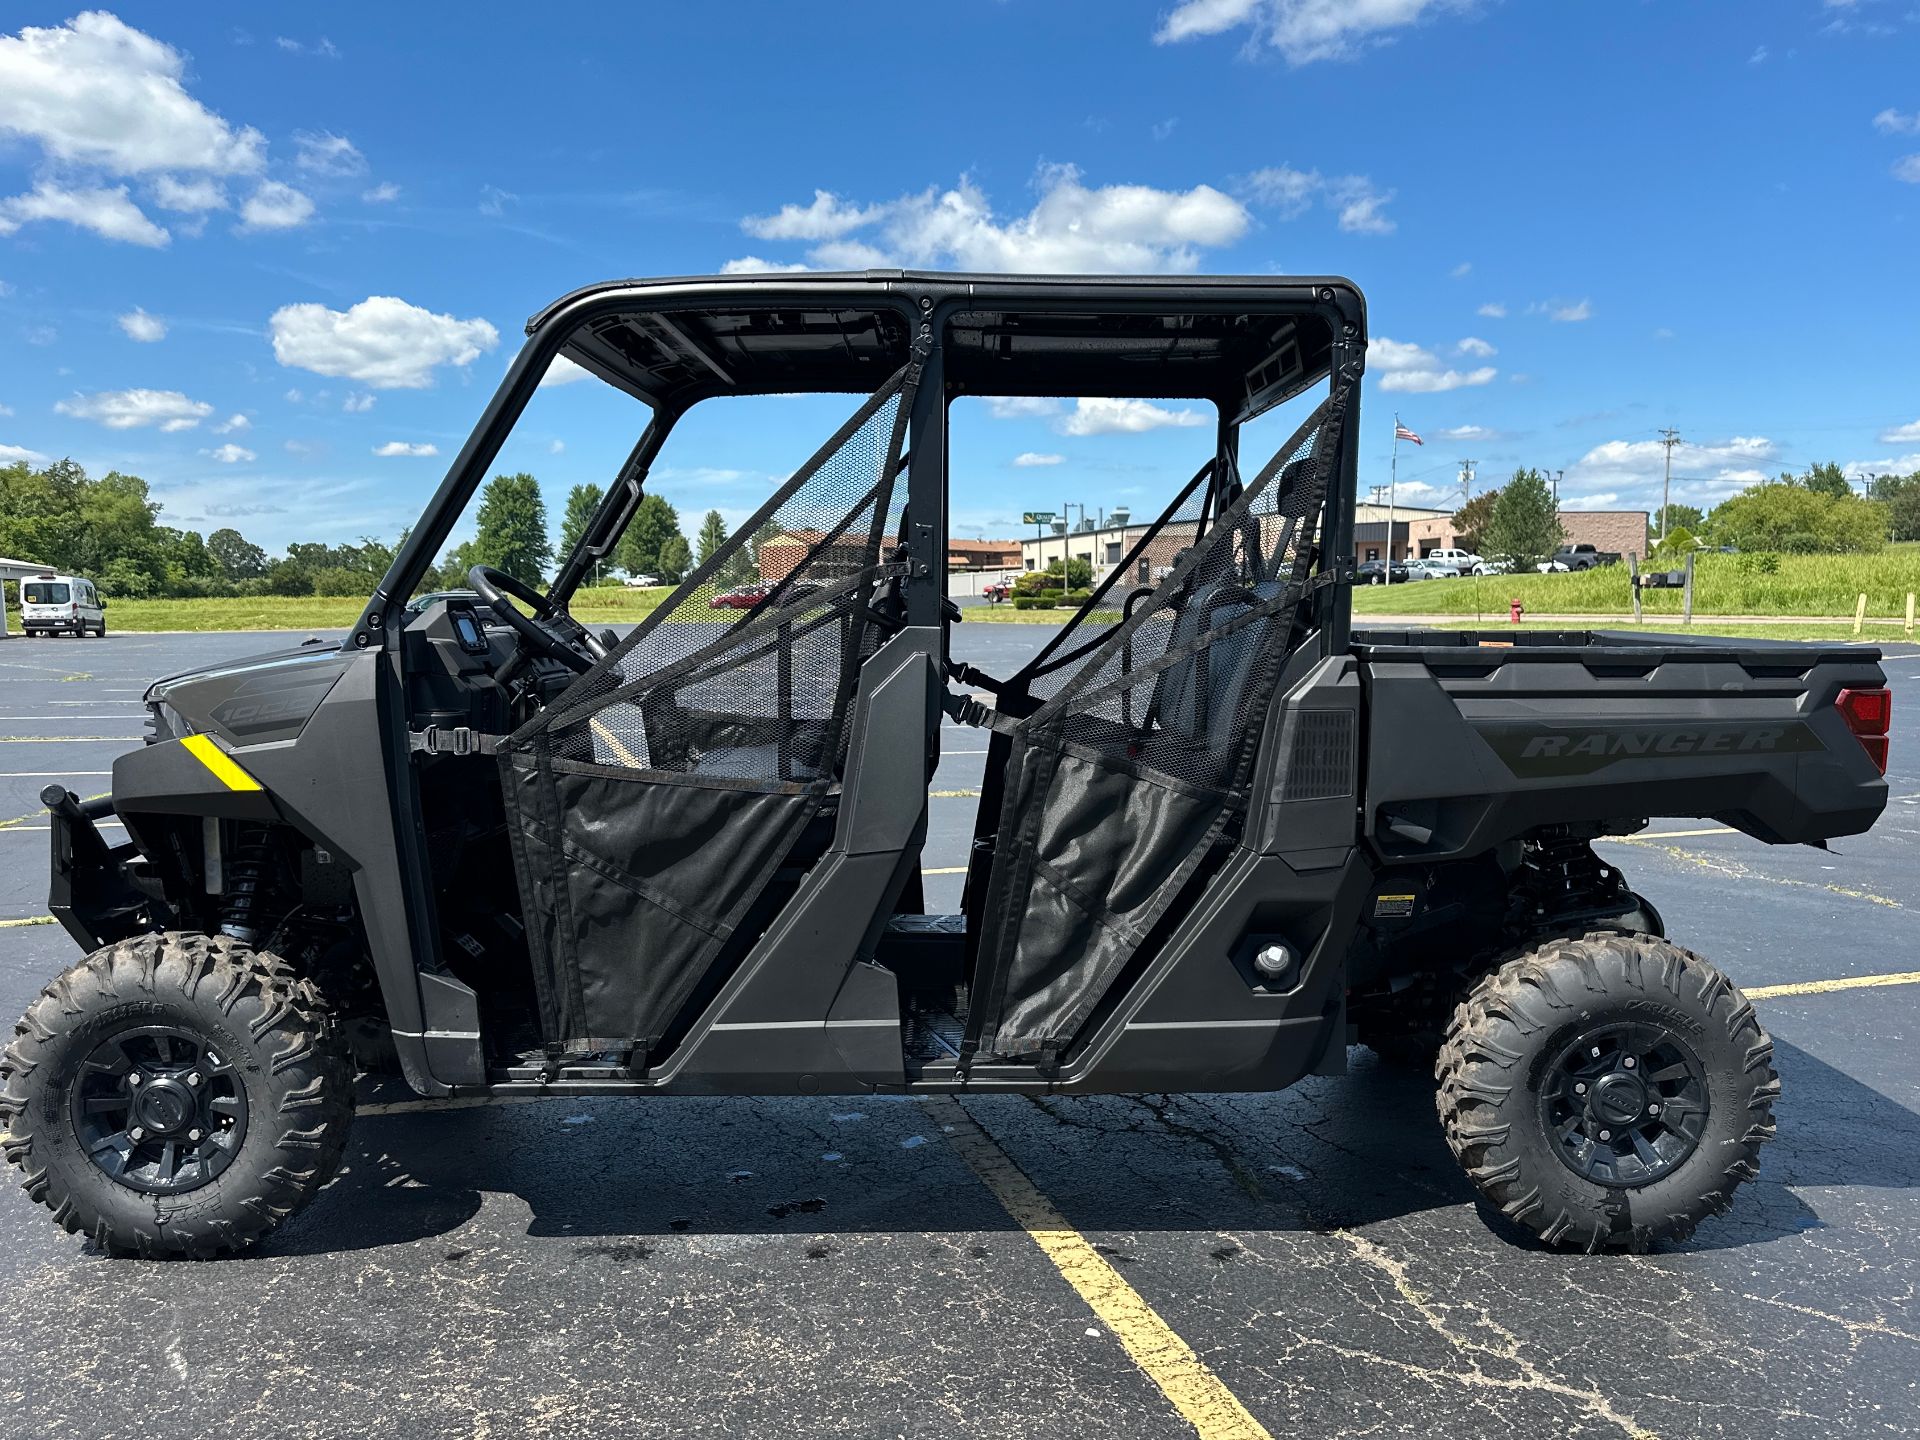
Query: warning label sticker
{"x": 1392, "y": 907}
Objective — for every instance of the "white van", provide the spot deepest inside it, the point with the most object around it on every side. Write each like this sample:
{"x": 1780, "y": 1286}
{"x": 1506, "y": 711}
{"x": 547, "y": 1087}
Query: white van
{"x": 50, "y": 604}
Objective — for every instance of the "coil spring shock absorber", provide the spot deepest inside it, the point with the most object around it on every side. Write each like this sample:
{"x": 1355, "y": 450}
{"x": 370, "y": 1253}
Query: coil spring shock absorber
{"x": 249, "y": 867}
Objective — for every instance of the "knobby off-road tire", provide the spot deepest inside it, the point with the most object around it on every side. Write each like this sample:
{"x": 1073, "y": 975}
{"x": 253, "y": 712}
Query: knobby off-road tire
{"x": 227, "y": 1045}
{"x": 1550, "y": 1052}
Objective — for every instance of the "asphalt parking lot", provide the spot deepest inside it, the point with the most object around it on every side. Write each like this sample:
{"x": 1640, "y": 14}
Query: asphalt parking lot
{"x": 819, "y": 1266}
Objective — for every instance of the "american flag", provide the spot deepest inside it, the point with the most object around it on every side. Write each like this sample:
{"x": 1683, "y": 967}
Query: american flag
{"x": 1400, "y": 432}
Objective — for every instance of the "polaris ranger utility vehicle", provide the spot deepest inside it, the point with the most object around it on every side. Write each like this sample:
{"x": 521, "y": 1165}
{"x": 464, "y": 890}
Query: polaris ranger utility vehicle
{"x": 1221, "y": 834}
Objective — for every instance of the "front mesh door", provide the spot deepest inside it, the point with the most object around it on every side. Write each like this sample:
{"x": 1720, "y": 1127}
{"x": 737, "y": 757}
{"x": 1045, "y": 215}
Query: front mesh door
{"x": 651, "y": 805}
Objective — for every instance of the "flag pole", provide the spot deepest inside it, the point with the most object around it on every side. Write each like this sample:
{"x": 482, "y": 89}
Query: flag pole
{"x": 1393, "y": 495}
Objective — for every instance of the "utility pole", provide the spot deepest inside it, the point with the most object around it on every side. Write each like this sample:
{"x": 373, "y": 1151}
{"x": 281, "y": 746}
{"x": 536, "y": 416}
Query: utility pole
{"x": 1466, "y": 482}
{"x": 1553, "y": 479}
{"x": 1669, "y": 437}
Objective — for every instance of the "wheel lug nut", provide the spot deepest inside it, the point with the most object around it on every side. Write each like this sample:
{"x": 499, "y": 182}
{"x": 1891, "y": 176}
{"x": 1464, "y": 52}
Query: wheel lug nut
{"x": 1580, "y": 1088}
{"x": 1606, "y": 1134}
{"x": 1653, "y": 1109}
{"x": 134, "y": 1078}
{"x": 194, "y": 1077}
{"x": 193, "y": 1135}
{"x": 137, "y": 1133}
{"x": 1628, "y": 1062}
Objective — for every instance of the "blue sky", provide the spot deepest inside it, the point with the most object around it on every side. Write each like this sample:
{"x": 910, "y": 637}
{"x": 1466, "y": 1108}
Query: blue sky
{"x": 275, "y": 258}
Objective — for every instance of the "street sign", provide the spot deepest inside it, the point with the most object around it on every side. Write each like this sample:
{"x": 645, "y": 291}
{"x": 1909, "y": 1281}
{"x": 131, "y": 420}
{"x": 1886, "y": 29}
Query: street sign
{"x": 1036, "y": 517}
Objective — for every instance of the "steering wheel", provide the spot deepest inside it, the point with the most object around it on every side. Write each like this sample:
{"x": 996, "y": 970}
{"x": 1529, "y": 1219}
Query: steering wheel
{"x": 550, "y": 632}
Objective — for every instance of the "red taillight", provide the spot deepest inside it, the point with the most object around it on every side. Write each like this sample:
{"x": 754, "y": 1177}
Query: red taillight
{"x": 1869, "y": 715}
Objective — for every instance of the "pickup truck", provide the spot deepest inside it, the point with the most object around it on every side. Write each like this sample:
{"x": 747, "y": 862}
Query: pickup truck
{"x": 1219, "y": 837}
{"x": 1578, "y": 557}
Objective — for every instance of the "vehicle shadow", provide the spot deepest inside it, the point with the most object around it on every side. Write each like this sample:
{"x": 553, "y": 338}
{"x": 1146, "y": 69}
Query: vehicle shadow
{"x": 1329, "y": 1154}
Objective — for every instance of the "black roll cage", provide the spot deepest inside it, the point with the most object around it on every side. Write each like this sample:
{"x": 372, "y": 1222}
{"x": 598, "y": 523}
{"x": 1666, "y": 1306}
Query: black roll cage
{"x": 926, "y": 303}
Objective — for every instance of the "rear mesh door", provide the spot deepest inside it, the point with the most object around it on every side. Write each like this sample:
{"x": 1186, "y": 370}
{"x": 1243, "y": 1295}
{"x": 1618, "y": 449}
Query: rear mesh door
{"x": 651, "y": 805}
{"x": 1137, "y": 761}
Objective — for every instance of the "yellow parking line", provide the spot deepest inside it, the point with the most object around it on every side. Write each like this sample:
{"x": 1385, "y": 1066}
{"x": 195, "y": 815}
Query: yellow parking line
{"x": 1193, "y": 1389}
{"x": 947, "y": 870}
{"x": 1827, "y": 987}
{"x": 953, "y": 794}
{"x": 1673, "y": 834}
{"x": 26, "y": 920}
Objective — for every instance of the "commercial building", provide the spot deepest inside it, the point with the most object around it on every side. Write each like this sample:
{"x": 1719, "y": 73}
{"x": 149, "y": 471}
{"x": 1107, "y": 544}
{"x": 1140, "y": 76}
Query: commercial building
{"x": 1416, "y": 531}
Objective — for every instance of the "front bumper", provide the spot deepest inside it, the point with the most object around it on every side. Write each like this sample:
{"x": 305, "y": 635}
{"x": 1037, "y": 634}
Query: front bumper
{"x": 91, "y": 893}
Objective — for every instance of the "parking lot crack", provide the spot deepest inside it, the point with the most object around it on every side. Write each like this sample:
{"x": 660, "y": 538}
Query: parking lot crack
{"x": 1856, "y": 1330}
{"x": 1505, "y": 1346}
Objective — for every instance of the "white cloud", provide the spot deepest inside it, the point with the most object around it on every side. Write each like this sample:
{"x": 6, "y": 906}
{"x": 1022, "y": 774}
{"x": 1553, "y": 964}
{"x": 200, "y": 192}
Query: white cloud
{"x": 1579, "y": 310}
{"x": 1461, "y": 271}
{"x": 275, "y": 206}
{"x": 1284, "y": 189}
{"x": 1479, "y": 433}
{"x": 322, "y": 47}
{"x": 191, "y": 196}
{"x": 135, "y": 409}
{"x": 1070, "y": 229}
{"x": 1473, "y": 345}
{"x": 1493, "y": 310}
{"x": 1290, "y": 193}
{"x": 1301, "y": 30}
{"x": 384, "y": 193}
{"x": 327, "y": 154}
{"x": 231, "y": 454}
{"x": 1410, "y": 369}
{"x": 1892, "y": 465}
{"x": 754, "y": 265}
{"x": 1204, "y": 17}
{"x": 232, "y": 425}
{"x": 494, "y": 200}
{"x": 1701, "y": 473}
{"x": 1759, "y": 56}
{"x": 1021, "y": 407}
{"x": 556, "y": 447}
{"x": 97, "y": 92}
{"x": 1028, "y": 459}
{"x": 109, "y": 213}
{"x": 1901, "y": 434}
{"x": 382, "y": 342}
{"x": 5, "y": 411}
{"x": 13, "y": 454}
{"x": 1598, "y": 501}
{"x": 395, "y": 448}
{"x": 1361, "y": 206}
{"x": 141, "y": 326}
{"x": 1892, "y": 122}
{"x": 1098, "y": 415}
{"x": 358, "y": 403}
{"x": 1907, "y": 169}
{"x": 563, "y": 372}
{"x": 825, "y": 219}
{"x": 5, "y": 289}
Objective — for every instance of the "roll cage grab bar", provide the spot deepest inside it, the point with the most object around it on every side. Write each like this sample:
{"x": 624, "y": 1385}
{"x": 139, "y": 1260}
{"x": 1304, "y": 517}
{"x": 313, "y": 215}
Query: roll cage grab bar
{"x": 926, "y": 302}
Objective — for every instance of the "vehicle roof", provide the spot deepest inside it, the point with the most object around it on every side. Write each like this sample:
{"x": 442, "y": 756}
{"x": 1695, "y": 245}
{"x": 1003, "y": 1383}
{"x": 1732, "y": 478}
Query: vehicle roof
{"x": 674, "y": 341}
{"x": 44, "y": 576}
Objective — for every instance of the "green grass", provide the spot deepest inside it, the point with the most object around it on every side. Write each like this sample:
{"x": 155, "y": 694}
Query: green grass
{"x": 1837, "y": 632}
{"x": 1804, "y": 585}
{"x": 603, "y": 605}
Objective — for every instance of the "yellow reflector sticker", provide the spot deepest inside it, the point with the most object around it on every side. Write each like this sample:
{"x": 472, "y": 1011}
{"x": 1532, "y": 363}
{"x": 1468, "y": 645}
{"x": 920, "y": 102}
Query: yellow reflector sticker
{"x": 229, "y": 774}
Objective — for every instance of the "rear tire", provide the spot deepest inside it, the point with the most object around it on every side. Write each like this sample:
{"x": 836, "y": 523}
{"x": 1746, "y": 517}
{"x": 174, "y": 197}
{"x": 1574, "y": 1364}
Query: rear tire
{"x": 176, "y": 1094}
{"x": 1607, "y": 1091}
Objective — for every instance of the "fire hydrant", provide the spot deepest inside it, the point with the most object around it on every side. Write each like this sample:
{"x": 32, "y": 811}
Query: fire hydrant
{"x": 1515, "y": 610}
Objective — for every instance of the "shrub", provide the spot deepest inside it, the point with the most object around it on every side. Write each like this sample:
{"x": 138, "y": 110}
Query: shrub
{"x": 1758, "y": 562}
{"x": 1077, "y": 597}
{"x": 335, "y": 580}
{"x": 1031, "y": 583}
{"x": 1036, "y": 602}
{"x": 1801, "y": 542}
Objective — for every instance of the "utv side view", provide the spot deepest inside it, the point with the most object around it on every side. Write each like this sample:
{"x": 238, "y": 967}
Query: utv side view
{"x": 1221, "y": 835}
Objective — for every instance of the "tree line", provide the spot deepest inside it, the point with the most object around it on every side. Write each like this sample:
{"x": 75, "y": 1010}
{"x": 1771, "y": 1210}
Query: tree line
{"x": 1816, "y": 512}
{"x": 109, "y": 529}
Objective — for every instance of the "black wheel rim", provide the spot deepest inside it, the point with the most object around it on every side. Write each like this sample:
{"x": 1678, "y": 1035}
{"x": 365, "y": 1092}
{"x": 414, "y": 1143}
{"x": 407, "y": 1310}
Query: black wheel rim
{"x": 158, "y": 1110}
{"x": 1624, "y": 1104}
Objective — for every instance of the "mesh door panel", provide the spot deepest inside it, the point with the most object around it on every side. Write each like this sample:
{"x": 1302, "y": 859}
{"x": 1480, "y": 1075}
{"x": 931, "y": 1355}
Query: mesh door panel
{"x": 654, "y": 801}
{"x": 1137, "y": 759}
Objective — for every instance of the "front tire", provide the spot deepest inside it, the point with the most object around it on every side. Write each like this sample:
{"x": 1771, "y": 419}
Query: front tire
{"x": 1607, "y": 1091}
{"x": 176, "y": 1094}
